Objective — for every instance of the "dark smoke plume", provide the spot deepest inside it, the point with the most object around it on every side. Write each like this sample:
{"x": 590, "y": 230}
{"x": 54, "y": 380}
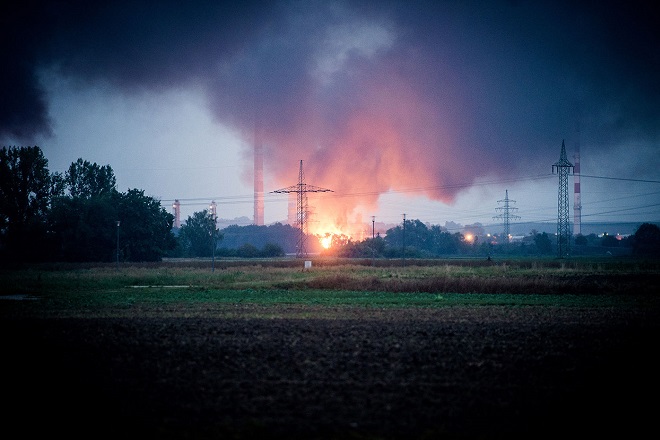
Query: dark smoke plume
{"x": 398, "y": 94}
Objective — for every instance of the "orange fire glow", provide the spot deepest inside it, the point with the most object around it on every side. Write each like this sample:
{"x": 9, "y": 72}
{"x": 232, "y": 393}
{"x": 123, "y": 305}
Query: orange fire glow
{"x": 391, "y": 142}
{"x": 329, "y": 234}
{"x": 326, "y": 241}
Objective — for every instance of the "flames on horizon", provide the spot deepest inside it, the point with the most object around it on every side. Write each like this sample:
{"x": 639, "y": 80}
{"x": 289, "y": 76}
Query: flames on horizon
{"x": 373, "y": 98}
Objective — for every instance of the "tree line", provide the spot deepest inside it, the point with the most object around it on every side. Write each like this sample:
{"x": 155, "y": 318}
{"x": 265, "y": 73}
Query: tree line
{"x": 415, "y": 239}
{"x": 79, "y": 216}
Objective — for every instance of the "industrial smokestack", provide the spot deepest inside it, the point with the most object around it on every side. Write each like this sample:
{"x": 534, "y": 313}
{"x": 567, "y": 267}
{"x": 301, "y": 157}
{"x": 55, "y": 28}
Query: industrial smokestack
{"x": 176, "y": 206}
{"x": 258, "y": 183}
{"x": 577, "y": 202}
{"x": 213, "y": 209}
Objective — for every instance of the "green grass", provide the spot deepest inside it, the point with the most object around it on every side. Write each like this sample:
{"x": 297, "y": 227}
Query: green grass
{"x": 164, "y": 301}
{"x": 104, "y": 290}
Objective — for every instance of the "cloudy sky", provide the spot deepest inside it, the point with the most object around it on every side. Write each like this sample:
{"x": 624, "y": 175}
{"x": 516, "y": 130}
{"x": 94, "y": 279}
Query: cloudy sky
{"x": 432, "y": 109}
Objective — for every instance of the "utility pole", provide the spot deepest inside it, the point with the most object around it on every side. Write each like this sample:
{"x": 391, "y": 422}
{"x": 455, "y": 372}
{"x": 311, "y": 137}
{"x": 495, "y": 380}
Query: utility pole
{"x": 118, "y": 222}
{"x": 373, "y": 236}
{"x": 213, "y": 251}
{"x": 213, "y": 208}
{"x": 404, "y": 239}
{"x": 563, "y": 167}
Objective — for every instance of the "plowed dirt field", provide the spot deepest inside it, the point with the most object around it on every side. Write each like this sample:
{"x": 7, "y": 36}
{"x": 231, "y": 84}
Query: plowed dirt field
{"x": 333, "y": 373}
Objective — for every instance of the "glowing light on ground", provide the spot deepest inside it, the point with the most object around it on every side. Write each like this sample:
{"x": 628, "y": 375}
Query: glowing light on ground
{"x": 330, "y": 239}
{"x": 329, "y": 233}
{"x": 326, "y": 241}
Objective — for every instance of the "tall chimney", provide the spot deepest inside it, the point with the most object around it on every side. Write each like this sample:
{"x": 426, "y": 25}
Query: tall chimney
{"x": 258, "y": 183}
{"x": 577, "y": 202}
{"x": 177, "y": 213}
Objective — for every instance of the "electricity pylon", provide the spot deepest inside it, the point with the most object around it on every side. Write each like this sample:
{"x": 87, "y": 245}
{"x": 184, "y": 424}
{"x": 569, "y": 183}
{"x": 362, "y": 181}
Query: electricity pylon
{"x": 301, "y": 190}
{"x": 506, "y": 214}
{"x": 564, "y": 168}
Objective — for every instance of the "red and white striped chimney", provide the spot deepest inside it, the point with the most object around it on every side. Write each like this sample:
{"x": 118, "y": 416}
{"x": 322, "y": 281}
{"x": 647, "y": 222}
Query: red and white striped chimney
{"x": 577, "y": 202}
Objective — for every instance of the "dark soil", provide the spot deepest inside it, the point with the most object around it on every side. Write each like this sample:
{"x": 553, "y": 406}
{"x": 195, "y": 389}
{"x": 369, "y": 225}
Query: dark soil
{"x": 457, "y": 373}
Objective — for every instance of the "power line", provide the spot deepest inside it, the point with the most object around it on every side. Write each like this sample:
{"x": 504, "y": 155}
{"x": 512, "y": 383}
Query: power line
{"x": 416, "y": 189}
{"x": 623, "y": 209}
{"x": 620, "y": 178}
{"x": 466, "y": 215}
{"x": 301, "y": 190}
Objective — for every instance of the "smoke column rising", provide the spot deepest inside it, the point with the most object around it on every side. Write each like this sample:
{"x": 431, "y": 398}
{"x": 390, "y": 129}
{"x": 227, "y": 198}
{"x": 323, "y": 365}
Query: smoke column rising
{"x": 390, "y": 96}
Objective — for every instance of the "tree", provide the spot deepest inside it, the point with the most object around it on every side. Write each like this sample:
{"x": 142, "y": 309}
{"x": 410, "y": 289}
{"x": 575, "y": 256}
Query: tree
{"x": 421, "y": 239}
{"x": 25, "y": 195}
{"x": 646, "y": 240}
{"x": 87, "y": 180}
{"x": 145, "y": 227}
{"x": 271, "y": 250}
{"x": 609, "y": 241}
{"x": 543, "y": 243}
{"x": 416, "y": 235}
{"x": 84, "y": 229}
{"x": 84, "y": 213}
{"x": 247, "y": 251}
{"x": 74, "y": 216}
{"x": 446, "y": 242}
{"x": 285, "y": 236}
{"x": 351, "y": 249}
{"x": 581, "y": 240}
{"x": 199, "y": 234}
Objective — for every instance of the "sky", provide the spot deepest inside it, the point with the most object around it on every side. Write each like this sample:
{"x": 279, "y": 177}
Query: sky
{"x": 435, "y": 110}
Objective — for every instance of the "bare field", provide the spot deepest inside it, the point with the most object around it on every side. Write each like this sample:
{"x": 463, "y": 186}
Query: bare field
{"x": 154, "y": 365}
{"x": 459, "y": 372}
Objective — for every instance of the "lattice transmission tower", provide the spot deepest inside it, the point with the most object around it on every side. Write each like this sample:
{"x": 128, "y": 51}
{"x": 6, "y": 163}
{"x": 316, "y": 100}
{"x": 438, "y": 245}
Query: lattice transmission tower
{"x": 302, "y": 210}
{"x": 506, "y": 214}
{"x": 563, "y": 168}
